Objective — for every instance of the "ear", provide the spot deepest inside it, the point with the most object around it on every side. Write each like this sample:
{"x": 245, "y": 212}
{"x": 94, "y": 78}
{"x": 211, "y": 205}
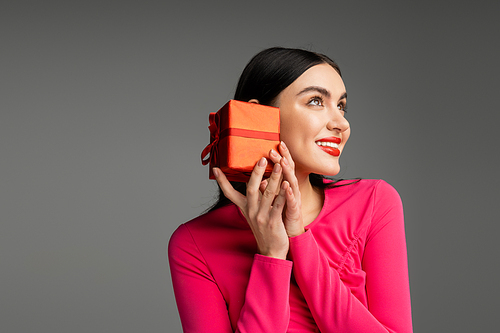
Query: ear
{"x": 253, "y": 100}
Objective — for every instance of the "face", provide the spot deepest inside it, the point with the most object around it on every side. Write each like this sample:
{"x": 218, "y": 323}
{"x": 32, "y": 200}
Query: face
{"x": 313, "y": 125}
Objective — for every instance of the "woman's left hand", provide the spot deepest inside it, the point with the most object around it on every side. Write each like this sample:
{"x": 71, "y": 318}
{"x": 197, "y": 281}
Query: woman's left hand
{"x": 292, "y": 216}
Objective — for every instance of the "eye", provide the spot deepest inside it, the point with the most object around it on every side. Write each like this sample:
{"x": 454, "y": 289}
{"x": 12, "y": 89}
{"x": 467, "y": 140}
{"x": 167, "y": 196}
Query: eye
{"x": 316, "y": 101}
{"x": 342, "y": 107}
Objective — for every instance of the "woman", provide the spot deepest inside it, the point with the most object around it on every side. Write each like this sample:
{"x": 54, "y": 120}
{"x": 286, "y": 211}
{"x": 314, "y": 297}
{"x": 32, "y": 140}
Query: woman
{"x": 295, "y": 252}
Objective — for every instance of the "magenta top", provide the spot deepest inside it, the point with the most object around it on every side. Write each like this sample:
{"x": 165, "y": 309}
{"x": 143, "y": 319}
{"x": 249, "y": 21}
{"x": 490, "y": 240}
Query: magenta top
{"x": 347, "y": 273}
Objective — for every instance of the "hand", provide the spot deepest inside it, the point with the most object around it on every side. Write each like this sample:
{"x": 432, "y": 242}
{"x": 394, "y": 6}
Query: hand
{"x": 294, "y": 224}
{"x": 262, "y": 212}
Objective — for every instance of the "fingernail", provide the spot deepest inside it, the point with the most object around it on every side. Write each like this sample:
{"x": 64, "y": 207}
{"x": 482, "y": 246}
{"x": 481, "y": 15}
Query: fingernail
{"x": 262, "y": 162}
{"x": 284, "y": 161}
{"x": 216, "y": 172}
{"x": 277, "y": 168}
{"x": 283, "y": 145}
{"x": 274, "y": 153}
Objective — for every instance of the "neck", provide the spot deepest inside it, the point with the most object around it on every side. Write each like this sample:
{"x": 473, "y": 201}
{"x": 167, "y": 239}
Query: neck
{"x": 311, "y": 199}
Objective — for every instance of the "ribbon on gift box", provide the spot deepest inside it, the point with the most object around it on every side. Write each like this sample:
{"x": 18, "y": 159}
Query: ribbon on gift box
{"x": 212, "y": 147}
{"x": 216, "y": 135}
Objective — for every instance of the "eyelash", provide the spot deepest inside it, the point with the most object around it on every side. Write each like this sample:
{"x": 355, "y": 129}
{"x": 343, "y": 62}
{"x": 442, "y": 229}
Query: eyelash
{"x": 341, "y": 106}
{"x": 316, "y": 98}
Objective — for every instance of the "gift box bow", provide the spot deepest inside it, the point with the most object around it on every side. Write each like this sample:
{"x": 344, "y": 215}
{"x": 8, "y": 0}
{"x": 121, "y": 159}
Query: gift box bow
{"x": 212, "y": 148}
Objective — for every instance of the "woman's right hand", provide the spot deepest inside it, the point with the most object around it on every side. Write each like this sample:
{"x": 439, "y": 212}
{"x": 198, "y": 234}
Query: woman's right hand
{"x": 263, "y": 212}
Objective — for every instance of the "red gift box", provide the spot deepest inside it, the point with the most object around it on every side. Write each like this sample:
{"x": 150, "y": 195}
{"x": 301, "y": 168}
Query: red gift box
{"x": 240, "y": 134}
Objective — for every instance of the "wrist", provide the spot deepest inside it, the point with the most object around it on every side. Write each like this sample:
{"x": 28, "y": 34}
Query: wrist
{"x": 275, "y": 255}
{"x": 296, "y": 233}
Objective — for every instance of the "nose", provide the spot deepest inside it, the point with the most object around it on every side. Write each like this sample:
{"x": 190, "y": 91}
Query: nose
{"x": 337, "y": 121}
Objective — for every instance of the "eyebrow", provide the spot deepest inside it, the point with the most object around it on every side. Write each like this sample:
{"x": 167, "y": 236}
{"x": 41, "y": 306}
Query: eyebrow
{"x": 321, "y": 90}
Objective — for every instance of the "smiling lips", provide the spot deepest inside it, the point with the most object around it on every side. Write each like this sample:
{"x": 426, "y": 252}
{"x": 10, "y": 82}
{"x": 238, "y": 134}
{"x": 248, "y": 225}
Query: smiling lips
{"x": 330, "y": 145}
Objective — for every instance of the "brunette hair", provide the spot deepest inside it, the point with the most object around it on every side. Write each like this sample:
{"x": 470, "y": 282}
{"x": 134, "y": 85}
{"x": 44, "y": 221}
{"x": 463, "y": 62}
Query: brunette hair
{"x": 267, "y": 74}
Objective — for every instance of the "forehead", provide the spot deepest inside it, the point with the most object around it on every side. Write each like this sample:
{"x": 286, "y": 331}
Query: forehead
{"x": 322, "y": 75}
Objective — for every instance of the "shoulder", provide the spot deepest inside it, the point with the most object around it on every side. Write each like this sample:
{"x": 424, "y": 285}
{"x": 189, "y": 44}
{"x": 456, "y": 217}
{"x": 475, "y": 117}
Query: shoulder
{"x": 377, "y": 191}
{"x": 211, "y": 225}
{"x": 385, "y": 206}
{"x": 368, "y": 188}
{"x": 372, "y": 201}
{"x": 368, "y": 197}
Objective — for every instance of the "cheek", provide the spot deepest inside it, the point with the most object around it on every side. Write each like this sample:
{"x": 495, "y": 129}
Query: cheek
{"x": 287, "y": 128}
{"x": 300, "y": 129}
{"x": 293, "y": 132}
{"x": 292, "y": 138}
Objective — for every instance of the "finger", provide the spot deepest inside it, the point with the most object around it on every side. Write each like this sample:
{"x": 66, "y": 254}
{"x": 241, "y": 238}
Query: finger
{"x": 253, "y": 194}
{"x": 293, "y": 216}
{"x": 285, "y": 152}
{"x": 289, "y": 175}
{"x": 272, "y": 186}
{"x": 236, "y": 197}
{"x": 292, "y": 206}
{"x": 279, "y": 203}
{"x": 289, "y": 169}
{"x": 263, "y": 185}
{"x": 274, "y": 156}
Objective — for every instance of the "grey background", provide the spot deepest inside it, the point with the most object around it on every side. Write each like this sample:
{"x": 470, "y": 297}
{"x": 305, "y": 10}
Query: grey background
{"x": 104, "y": 112}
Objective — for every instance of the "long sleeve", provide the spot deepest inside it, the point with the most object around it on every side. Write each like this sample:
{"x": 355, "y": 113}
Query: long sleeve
{"x": 201, "y": 303}
{"x": 332, "y": 304}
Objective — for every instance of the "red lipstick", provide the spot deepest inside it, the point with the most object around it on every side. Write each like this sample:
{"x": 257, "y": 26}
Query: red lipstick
{"x": 329, "y": 145}
{"x": 333, "y": 139}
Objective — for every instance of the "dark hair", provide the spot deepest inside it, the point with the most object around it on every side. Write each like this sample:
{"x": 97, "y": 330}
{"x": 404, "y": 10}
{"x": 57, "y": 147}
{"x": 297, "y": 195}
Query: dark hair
{"x": 267, "y": 74}
{"x": 270, "y": 71}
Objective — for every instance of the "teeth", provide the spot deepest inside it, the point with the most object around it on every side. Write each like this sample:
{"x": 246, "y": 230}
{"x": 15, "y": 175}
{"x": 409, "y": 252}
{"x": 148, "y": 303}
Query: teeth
{"x": 327, "y": 144}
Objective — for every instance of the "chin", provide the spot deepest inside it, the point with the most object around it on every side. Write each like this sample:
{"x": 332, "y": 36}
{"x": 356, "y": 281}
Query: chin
{"x": 331, "y": 174}
{"x": 331, "y": 171}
